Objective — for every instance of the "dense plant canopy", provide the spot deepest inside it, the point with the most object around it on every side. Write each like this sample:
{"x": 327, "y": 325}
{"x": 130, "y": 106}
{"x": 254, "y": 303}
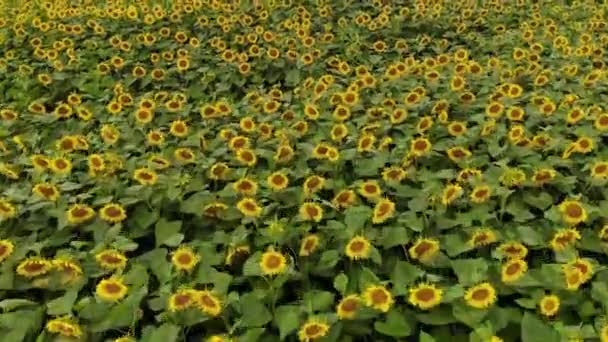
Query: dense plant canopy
{"x": 332, "y": 170}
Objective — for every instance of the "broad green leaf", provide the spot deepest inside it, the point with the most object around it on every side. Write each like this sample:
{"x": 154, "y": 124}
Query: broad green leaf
{"x": 165, "y": 333}
{"x": 287, "y": 319}
{"x": 470, "y": 271}
{"x": 315, "y": 300}
{"x": 394, "y": 236}
{"x": 403, "y": 275}
{"x": 167, "y": 233}
{"x": 395, "y": 325}
{"x": 12, "y": 304}
{"x": 533, "y": 329}
{"x": 254, "y": 312}
{"x": 341, "y": 282}
{"x": 62, "y": 305}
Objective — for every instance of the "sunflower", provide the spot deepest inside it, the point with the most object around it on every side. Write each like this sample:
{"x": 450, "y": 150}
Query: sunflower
{"x": 344, "y": 199}
{"x": 313, "y": 184}
{"x": 309, "y": 245}
{"x": 393, "y": 174}
{"x": 144, "y": 115}
{"x": 584, "y": 266}
{"x": 450, "y": 194}
{"x": 564, "y": 238}
{"x": 584, "y": 145}
{"x": 218, "y": 171}
{"x": 33, "y": 267}
{"x": 61, "y": 166}
{"x": 155, "y": 138}
{"x": 420, "y": 146}
{"x": 573, "y": 278}
{"x": 182, "y": 300}
{"x": 347, "y": 307}
{"x": 277, "y": 181}
{"x": 111, "y": 289}
{"x": 599, "y": 170}
{"x": 313, "y": 329}
{"x": 64, "y": 326}
{"x": 209, "y": 303}
{"x": 480, "y": 296}
{"x": 424, "y": 249}
{"x": 47, "y": 191}
{"x": 358, "y": 248}
{"x": 573, "y": 212}
{"x": 145, "y": 176}
{"x": 184, "y": 259}
{"x": 383, "y": 210}
{"x": 543, "y": 176}
{"x": 39, "y": 162}
{"x": 549, "y": 305}
{"x": 111, "y": 259}
{"x": 378, "y": 297}
{"x": 482, "y": 237}
{"x": 513, "y": 270}
{"x": 480, "y": 193}
{"x": 6, "y": 249}
{"x": 70, "y": 270}
{"x": 79, "y": 213}
{"x": 601, "y": 123}
{"x": 249, "y": 207}
{"x": 112, "y": 213}
{"x": 179, "y": 128}
{"x": 458, "y": 153}
{"x": 245, "y": 186}
{"x": 425, "y": 296}
{"x": 604, "y": 333}
{"x": 311, "y": 212}
{"x": 575, "y": 115}
{"x": 494, "y": 109}
{"x": 184, "y": 155}
{"x": 246, "y": 157}
{"x": 273, "y": 262}
{"x": 370, "y": 189}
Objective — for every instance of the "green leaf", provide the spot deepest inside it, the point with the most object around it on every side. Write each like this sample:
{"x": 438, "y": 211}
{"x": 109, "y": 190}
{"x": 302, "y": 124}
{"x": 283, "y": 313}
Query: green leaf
{"x": 12, "y": 304}
{"x": 287, "y": 319}
{"x": 62, "y": 305}
{"x": 424, "y": 337}
{"x": 167, "y": 233}
{"x": 470, "y": 271}
{"x": 355, "y": 217}
{"x": 254, "y": 312}
{"x": 395, "y": 325}
{"x": 534, "y": 330}
{"x": 394, "y": 236}
{"x": 403, "y": 275}
{"x": 156, "y": 261}
{"x": 252, "y": 335}
{"x": 467, "y": 315}
{"x": 341, "y": 282}
{"x": 165, "y": 333}
{"x": 315, "y": 300}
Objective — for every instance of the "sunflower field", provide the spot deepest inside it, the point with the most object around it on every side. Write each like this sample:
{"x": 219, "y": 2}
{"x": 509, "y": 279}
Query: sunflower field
{"x": 303, "y": 170}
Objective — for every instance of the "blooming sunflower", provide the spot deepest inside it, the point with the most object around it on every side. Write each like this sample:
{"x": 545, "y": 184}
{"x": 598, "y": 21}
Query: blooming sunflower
{"x": 33, "y": 267}
{"x": 6, "y": 249}
{"x": 424, "y": 249}
{"x": 185, "y": 259}
{"x": 482, "y": 237}
{"x": 112, "y": 213}
{"x": 370, "y": 189}
{"x": 584, "y": 266}
{"x": 425, "y": 296}
{"x": 420, "y": 146}
{"x": 378, "y": 297}
{"x": 7, "y": 210}
{"x": 344, "y": 199}
{"x": 480, "y": 193}
{"x": 249, "y": 207}
{"x": 111, "y": 289}
{"x": 513, "y": 250}
{"x": 313, "y": 184}
{"x": 599, "y": 170}
{"x": 347, "y": 307}
{"x": 246, "y": 157}
{"x": 218, "y": 171}
{"x": 549, "y": 305}
{"x": 513, "y": 270}
{"x": 209, "y": 303}
{"x": 313, "y": 329}
{"x": 273, "y": 262}
{"x": 61, "y": 166}
{"x": 358, "y": 248}
{"x": 145, "y": 176}
{"x": 573, "y": 277}
{"x": 564, "y": 238}
{"x": 79, "y": 213}
{"x": 309, "y": 245}
{"x": 65, "y": 327}
{"x": 246, "y": 186}
{"x": 184, "y": 155}
{"x": 277, "y": 181}
{"x": 310, "y": 211}
{"x": 573, "y": 212}
{"x": 111, "y": 259}
{"x": 383, "y": 210}
{"x": 450, "y": 194}
{"x": 480, "y": 296}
